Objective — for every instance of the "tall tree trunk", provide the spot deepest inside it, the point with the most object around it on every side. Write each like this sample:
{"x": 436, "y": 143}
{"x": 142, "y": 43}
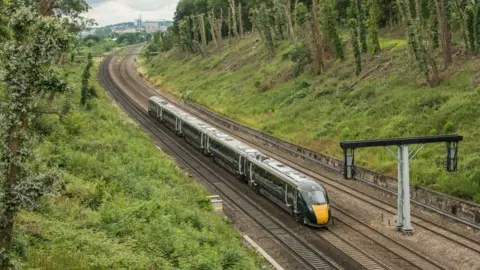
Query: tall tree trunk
{"x": 211, "y": 20}
{"x": 445, "y": 37}
{"x": 294, "y": 15}
{"x": 12, "y": 157}
{"x": 418, "y": 10}
{"x": 361, "y": 24}
{"x": 234, "y": 18}
{"x": 316, "y": 43}
{"x": 218, "y": 27}
{"x": 240, "y": 18}
{"x": 463, "y": 24}
{"x": 203, "y": 31}
{"x": 288, "y": 16}
{"x": 316, "y": 46}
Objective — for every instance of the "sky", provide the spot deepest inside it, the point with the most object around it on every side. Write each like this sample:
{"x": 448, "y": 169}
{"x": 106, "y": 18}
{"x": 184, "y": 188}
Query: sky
{"x": 107, "y": 12}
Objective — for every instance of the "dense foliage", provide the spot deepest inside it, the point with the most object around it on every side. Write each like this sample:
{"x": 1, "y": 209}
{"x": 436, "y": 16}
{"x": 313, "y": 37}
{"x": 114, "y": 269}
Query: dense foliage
{"x": 85, "y": 188}
{"x": 120, "y": 202}
{"x": 429, "y": 26}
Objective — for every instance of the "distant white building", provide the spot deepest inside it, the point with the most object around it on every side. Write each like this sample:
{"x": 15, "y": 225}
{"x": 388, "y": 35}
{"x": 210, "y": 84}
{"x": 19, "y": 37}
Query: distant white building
{"x": 151, "y": 26}
{"x": 86, "y": 32}
{"x": 138, "y": 22}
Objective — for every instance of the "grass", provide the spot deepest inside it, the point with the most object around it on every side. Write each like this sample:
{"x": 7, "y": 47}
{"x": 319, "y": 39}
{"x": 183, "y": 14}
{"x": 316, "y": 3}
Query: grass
{"x": 240, "y": 82}
{"x": 119, "y": 203}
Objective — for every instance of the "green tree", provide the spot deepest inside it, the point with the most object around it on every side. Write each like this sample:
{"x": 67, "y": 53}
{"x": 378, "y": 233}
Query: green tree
{"x": 86, "y": 93}
{"x": 373, "y": 20}
{"x": 352, "y": 13}
{"x": 329, "y": 20}
{"x": 4, "y": 31}
{"x": 260, "y": 20}
{"x": 29, "y": 70}
{"x": 361, "y": 24}
{"x": 355, "y": 46}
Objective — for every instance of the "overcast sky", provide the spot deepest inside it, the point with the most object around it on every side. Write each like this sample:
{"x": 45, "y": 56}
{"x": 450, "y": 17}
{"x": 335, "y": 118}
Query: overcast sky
{"x": 116, "y": 11}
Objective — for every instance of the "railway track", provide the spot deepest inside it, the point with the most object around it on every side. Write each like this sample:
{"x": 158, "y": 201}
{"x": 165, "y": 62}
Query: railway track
{"x": 388, "y": 207}
{"x": 309, "y": 256}
{"x": 397, "y": 252}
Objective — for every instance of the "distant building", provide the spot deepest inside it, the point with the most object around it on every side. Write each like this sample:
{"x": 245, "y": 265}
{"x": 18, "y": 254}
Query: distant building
{"x": 86, "y": 32}
{"x": 138, "y": 22}
{"x": 151, "y": 26}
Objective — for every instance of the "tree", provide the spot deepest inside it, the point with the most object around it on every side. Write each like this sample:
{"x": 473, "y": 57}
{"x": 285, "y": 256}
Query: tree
{"x": 445, "y": 34}
{"x": 373, "y": 20}
{"x": 234, "y": 18}
{"x": 261, "y": 22}
{"x": 288, "y": 17}
{"x": 319, "y": 65}
{"x": 329, "y": 26}
{"x": 240, "y": 18}
{"x": 361, "y": 24}
{"x": 4, "y": 31}
{"x": 213, "y": 31}
{"x": 85, "y": 92}
{"x": 29, "y": 70}
{"x": 422, "y": 53}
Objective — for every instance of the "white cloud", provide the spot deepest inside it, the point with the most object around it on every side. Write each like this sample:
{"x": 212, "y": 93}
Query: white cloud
{"x": 117, "y": 11}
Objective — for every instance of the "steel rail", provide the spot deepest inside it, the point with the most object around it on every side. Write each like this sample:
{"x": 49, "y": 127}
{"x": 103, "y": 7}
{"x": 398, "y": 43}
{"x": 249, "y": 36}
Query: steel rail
{"x": 310, "y": 256}
{"x": 463, "y": 241}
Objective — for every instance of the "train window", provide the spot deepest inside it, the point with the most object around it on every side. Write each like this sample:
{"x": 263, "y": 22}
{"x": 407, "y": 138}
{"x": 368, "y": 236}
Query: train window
{"x": 316, "y": 197}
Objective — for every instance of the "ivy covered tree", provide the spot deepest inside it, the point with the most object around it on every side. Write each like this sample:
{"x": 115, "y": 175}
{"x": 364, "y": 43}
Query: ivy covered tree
{"x": 329, "y": 24}
{"x": 352, "y": 13}
{"x": 361, "y": 24}
{"x": 373, "y": 21}
{"x": 4, "y": 31}
{"x": 86, "y": 92}
{"x": 261, "y": 22}
{"x": 29, "y": 67}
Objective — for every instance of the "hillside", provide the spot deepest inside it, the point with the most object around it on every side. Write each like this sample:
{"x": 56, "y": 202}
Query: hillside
{"x": 117, "y": 202}
{"x": 388, "y": 99}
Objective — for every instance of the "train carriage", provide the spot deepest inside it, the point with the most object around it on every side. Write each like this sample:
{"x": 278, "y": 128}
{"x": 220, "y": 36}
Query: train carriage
{"x": 296, "y": 193}
{"x": 229, "y": 152}
{"x": 154, "y": 106}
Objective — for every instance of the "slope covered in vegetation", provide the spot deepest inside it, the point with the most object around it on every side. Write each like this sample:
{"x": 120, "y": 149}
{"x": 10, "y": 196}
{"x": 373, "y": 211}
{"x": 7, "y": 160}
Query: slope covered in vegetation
{"x": 388, "y": 99}
{"x": 118, "y": 203}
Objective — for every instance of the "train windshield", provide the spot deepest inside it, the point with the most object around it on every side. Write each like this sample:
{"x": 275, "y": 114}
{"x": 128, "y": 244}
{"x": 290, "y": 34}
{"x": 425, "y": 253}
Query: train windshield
{"x": 316, "y": 197}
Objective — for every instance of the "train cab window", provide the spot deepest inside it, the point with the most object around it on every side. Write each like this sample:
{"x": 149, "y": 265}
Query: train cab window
{"x": 316, "y": 197}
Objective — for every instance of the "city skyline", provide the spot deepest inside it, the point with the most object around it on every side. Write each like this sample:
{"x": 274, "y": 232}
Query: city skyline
{"x": 108, "y": 12}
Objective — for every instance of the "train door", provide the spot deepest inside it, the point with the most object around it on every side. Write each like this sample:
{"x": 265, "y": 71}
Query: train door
{"x": 161, "y": 113}
{"x": 240, "y": 169}
{"x": 250, "y": 175}
{"x": 202, "y": 138}
{"x": 290, "y": 194}
{"x": 293, "y": 199}
{"x": 207, "y": 145}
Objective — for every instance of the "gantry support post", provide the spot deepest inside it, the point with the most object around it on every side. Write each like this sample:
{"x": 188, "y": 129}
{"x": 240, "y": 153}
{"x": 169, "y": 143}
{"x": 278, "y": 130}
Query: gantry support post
{"x": 403, "y": 199}
{"x": 403, "y": 195}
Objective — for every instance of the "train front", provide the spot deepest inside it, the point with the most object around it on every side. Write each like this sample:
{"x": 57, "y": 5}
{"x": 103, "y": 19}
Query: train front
{"x": 318, "y": 212}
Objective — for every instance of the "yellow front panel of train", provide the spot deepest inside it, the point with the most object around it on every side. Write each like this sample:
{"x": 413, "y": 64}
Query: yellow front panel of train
{"x": 321, "y": 213}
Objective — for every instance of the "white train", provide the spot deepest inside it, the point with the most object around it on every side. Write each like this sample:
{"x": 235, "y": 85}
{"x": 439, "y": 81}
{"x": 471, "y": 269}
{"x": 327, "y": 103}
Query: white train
{"x": 298, "y": 194}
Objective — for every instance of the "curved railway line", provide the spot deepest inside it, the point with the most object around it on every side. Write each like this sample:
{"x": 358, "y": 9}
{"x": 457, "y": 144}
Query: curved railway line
{"x": 395, "y": 254}
{"x": 309, "y": 256}
{"x": 467, "y": 241}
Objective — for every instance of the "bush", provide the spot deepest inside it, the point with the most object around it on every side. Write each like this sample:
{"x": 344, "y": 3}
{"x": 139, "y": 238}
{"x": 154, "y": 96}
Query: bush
{"x": 302, "y": 56}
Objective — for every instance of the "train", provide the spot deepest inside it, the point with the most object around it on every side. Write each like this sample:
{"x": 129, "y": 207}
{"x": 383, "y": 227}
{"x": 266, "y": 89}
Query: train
{"x": 301, "y": 196}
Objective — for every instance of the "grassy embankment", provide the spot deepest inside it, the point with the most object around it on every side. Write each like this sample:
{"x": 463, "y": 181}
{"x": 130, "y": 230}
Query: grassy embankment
{"x": 241, "y": 83}
{"x": 120, "y": 203}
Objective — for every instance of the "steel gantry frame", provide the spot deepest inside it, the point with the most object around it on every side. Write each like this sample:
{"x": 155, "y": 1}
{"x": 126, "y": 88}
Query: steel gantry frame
{"x": 403, "y": 157}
